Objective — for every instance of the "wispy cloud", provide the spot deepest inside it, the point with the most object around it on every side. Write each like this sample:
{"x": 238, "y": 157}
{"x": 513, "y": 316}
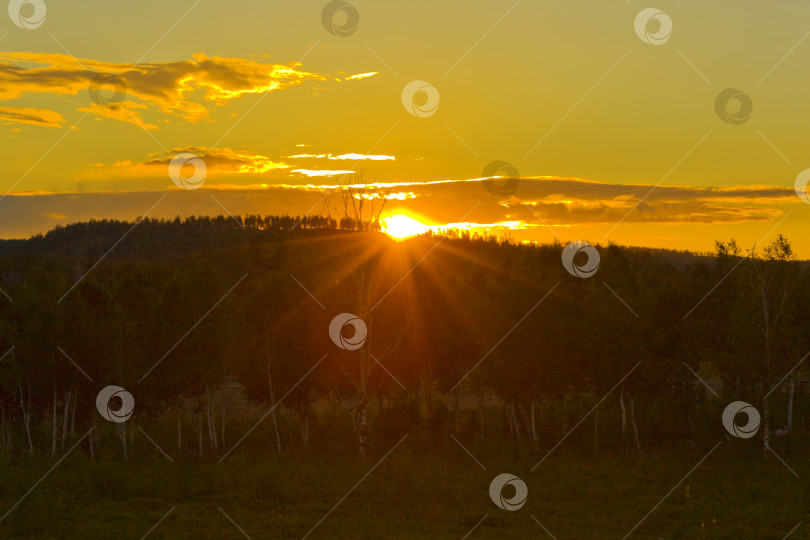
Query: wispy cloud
{"x": 222, "y": 160}
{"x": 35, "y": 117}
{"x": 361, "y": 76}
{"x": 182, "y": 88}
{"x": 351, "y": 156}
{"x": 217, "y": 161}
{"x": 574, "y": 201}
{"x": 126, "y": 111}
{"x": 314, "y": 172}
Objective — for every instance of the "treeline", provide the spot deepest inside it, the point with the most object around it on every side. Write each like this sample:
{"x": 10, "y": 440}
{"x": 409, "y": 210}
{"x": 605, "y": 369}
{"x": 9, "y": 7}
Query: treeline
{"x": 466, "y": 335}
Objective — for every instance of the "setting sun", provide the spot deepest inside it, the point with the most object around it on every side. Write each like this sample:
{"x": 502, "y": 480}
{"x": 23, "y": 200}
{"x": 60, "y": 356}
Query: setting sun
{"x": 400, "y": 226}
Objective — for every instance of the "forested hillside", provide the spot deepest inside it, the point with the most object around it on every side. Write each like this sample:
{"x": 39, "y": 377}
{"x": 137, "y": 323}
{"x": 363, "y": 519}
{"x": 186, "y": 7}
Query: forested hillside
{"x": 471, "y": 336}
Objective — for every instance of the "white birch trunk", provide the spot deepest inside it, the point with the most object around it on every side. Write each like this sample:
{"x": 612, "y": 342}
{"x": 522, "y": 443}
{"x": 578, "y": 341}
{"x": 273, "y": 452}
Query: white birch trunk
{"x": 790, "y": 407}
{"x": 565, "y": 415}
{"x": 272, "y": 399}
{"x": 515, "y": 421}
{"x": 224, "y": 410}
{"x": 624, "y": 412}
{"x": 212, "y": 430}
{"x": 65, "y": 416}
{"x": 26, "y": 417}
{"x": 73, "y": 413}
{"x": 122, "y": 435}
{"x": 636, "y": 438}
{"x": 305, "y": 428}
{"x": 91, "y": 437}
{"x": 199, "y": 433}
{"x": 53, "y": 435}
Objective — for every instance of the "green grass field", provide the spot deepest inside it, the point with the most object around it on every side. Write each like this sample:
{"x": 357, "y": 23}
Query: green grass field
{"x": 411, "y": 494}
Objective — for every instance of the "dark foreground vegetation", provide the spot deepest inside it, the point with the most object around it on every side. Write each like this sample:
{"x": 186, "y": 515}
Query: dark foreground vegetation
{"x": 584, "y": 388}
{"x": 412, "y": 494}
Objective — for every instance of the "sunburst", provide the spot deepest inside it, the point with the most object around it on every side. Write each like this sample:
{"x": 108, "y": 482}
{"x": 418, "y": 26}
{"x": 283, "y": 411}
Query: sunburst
{"x": 401, "y": 226}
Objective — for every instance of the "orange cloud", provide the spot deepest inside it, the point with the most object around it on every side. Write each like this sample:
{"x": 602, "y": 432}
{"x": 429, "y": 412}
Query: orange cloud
{"x": 361, "y": 76}
{"x": 217, "y": 161}
{"x": 575, "y": 201}
{"x": 35, "y": 117}
{"x": 178, "y": 88}
{"x": 352, "y": 156}
{"x": 315, "y": 172}
{"x": 124, "y": 112}
{"x": 223, "y": 161}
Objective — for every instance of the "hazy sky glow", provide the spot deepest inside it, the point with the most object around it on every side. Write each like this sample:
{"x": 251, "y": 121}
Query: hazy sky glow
{"x": 591, "y": 116}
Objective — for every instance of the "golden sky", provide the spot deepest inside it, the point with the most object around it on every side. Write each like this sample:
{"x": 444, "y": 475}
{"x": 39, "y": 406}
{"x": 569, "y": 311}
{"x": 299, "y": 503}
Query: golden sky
{"x": 620, "y": 127}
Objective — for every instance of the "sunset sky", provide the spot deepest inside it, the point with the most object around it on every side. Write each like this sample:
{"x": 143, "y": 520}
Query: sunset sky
{"x": 590, "y": 115}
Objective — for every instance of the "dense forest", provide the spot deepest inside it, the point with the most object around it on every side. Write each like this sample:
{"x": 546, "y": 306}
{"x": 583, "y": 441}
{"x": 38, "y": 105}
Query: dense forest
{"x": 475, "y": 337}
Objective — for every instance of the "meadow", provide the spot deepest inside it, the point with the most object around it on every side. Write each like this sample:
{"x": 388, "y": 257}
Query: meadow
{"x": 412, "y": 493}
